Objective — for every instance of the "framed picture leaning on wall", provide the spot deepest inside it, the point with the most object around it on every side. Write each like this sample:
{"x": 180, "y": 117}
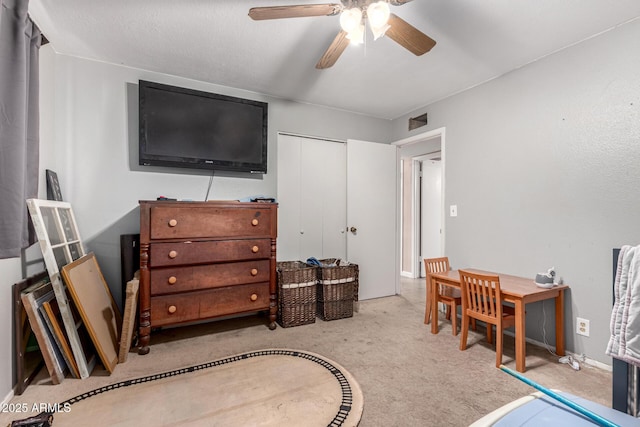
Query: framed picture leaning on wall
{"x": 53, "y": 186}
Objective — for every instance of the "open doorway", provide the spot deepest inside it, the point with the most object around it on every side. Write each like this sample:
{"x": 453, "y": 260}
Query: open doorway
{"x": 427, "y": 227}
{"x": 422, "y": 233}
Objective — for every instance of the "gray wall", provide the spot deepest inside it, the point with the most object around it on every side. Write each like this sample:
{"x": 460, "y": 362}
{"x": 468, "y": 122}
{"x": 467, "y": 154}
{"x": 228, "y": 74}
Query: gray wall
{"x": 89, "y": 119}
{"x": 543, "y": 165}
{"x": 11, "y": 272}
{"x": 96, "y": 120}
{"x": 541, "y": 162}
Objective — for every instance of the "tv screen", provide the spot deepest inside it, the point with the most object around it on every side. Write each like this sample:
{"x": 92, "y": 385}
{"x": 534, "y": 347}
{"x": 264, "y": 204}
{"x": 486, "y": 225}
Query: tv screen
{"x": 188, "y": 128}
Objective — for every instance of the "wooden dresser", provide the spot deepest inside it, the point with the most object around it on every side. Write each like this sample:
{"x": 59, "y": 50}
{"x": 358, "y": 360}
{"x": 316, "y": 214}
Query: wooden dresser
{"x": 201, "y": 260}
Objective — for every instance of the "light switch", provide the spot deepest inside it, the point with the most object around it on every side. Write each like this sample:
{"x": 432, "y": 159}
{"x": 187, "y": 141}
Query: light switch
{"x": 453, "y": 210}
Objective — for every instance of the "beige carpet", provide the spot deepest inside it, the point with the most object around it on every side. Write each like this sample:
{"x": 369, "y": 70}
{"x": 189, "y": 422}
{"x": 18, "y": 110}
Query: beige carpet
{"x": 275, "y": 387}
{"x": 408, "y": 376}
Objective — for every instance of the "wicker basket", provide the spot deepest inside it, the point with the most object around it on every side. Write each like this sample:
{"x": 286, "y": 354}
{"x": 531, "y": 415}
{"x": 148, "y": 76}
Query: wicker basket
{"x": 296, "y": 293}
{"x": 337, "y": 289}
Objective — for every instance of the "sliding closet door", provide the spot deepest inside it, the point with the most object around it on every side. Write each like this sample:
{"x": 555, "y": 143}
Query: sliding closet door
{"x": 289, "y": 190}
{"x": 312, "y": 198}
{"x": 323, "y": 198}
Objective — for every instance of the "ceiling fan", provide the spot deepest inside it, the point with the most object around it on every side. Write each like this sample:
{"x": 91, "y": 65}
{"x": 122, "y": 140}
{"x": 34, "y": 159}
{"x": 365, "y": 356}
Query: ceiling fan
{"x": 353, "y": 15}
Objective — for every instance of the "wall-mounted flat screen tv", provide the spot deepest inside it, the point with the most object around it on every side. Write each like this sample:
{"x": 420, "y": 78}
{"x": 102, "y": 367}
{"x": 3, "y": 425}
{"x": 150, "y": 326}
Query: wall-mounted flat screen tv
{"x": 188, "y": 128}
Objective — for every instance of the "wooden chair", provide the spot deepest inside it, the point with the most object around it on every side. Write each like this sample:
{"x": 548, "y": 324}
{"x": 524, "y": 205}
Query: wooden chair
{"x": 482, "y": 300}
{"x": 445, "y": 294}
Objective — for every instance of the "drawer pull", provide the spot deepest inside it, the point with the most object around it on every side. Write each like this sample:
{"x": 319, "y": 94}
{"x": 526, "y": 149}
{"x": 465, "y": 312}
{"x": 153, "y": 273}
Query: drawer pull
{"x": 173, "y": 223}
{"x": 255, "y": 249}
{"x": 254, "y": 271}
{"x": 254, "y": 297}
{"x": 172, "y": 280}
{"x": 254, "y": 222}
{"x": 173, "y": 254}
{"x": 172, "y": 309}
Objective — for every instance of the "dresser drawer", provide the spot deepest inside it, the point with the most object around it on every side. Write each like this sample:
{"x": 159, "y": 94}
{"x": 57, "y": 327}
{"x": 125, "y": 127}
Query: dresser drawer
{"x": 180, "y": 279}
{"x": 189, "y": 306}
{"x": 181, "y": 253}
{"x": 201, "y": 221}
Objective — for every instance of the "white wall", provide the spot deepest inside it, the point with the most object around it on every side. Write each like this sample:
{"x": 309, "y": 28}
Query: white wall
{"x": 543, "y": 165}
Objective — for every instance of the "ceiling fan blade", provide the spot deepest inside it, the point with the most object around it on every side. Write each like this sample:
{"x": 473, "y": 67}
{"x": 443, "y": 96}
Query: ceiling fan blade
{"x": 408, "y": 36}
{"x": 294, "y": 11}
{"x": 338, "y": 45}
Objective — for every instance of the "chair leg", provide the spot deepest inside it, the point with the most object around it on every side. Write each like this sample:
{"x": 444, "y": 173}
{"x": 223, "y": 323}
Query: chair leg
{"x": 490, "y": 333}
{"x": 464, "y": 331}
{"x": 473, "y": 324}
{"x": 448, "y": 312}
{"x": 427, "y": 309}
{"x": 499, "y": 336}
{"x": 454, "y": 318}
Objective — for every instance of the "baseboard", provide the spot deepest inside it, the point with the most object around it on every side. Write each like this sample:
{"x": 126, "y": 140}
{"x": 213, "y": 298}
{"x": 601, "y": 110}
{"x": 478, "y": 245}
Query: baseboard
{"x": 8, "y": 397}
{"x": 580, "y": 357}
{"x": 597, "y": 364}
{"x": 407, "y": 274}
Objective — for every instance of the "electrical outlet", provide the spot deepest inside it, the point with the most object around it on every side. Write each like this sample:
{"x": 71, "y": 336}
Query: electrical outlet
{"x": 582, "y": 326}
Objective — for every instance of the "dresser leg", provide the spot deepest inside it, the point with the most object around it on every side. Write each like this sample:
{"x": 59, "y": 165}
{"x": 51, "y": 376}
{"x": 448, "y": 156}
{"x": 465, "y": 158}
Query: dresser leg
{"x": 144, "y": 298}
{"x": 144, "y": 332}
{"x": 144, "y": 343}
{"x": 273, "y": 310}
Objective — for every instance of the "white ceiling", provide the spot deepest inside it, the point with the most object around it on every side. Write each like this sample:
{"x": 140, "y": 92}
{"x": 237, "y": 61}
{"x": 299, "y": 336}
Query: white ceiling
{"x": 216, "y": 41}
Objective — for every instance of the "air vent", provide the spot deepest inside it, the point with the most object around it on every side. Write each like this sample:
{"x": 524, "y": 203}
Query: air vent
{"x": 416, "y": 122}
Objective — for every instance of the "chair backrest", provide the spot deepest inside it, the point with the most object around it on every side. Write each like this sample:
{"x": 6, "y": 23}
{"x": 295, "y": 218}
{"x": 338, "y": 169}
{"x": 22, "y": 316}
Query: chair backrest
{"x": 436, "y": 265}
{"x": 481, "y": 297}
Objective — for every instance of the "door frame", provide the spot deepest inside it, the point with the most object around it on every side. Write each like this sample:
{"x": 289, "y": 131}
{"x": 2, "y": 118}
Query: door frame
{"x": 406, "y": 142}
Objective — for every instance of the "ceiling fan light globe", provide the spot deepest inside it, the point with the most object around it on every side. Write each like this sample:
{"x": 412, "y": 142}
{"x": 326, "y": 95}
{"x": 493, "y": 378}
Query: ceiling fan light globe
{"x": 378, "y": 14}
{"x": 350, "y": 19}
{"x": 379, "y": 32}
{"x": 356, "y": 36}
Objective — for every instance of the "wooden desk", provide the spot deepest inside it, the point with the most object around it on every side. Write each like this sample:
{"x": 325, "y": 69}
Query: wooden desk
{"x": 517, "y": 290}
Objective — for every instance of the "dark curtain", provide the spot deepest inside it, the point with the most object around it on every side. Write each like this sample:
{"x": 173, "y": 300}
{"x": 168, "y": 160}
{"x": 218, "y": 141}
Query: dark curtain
{"x": 19, "y": 124}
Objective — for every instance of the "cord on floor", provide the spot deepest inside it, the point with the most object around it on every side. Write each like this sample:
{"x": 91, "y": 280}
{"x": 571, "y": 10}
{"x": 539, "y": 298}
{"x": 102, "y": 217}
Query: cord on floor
{"x": 570, "y": 359}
